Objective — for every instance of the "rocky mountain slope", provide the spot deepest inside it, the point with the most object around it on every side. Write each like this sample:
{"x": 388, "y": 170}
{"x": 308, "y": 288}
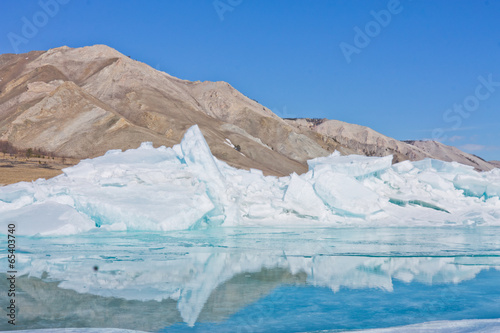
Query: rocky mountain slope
{"x": 365, "y": 141}
{"x": 81, "y": 102}
{"x": 449, "y": 153}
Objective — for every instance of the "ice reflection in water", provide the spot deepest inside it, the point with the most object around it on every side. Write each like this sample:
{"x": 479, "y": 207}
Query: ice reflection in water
{"x": 227, "y": 277}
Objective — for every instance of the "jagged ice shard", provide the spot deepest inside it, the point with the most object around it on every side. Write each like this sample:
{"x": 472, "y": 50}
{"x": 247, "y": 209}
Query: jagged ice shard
{"x": 186, "y": 187}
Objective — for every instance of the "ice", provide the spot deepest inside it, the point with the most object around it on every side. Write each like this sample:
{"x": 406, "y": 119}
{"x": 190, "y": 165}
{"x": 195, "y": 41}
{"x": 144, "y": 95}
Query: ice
{"x": 354, "y": 165}
{"x": 181, "y": 267}
{"x": 79, "y": 330}
{"x": 302, "y": 199}
{"x": 192, "y": 280}
{"x": 479, "y": 185}
{"x": 186, "y": 187}
{"x": 236, "y": 214}
{"x": 443, "y": 326}
{"x": 53, "y": 220}
{"x": 346, "y": 195}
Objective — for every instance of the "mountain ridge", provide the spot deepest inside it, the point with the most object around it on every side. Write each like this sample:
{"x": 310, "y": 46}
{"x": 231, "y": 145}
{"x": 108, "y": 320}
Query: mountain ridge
{"x": 366, "y": 141}
{"x": 81, "y": 102}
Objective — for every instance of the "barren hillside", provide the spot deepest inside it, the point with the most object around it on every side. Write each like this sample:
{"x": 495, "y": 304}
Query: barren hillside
{"x": 82, "y": 102}
{"x": 365, "y": 141}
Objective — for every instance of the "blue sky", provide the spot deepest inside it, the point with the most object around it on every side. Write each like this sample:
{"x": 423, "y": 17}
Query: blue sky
{"x": 408, "y": 69}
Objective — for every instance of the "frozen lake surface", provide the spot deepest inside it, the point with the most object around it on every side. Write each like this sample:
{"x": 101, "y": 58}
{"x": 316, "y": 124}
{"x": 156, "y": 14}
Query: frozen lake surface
{"x": 259, "y": 279}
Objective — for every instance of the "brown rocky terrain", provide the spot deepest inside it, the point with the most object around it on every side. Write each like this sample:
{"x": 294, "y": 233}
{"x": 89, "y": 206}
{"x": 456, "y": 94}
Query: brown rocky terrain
{"x": 81, "y": 102}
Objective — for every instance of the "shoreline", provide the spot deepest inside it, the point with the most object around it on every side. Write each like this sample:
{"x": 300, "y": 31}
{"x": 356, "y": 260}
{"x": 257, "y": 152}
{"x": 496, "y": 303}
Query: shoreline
{"x": 14, "y": 169}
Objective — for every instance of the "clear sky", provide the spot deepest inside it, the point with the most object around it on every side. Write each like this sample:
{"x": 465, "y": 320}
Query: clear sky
{"x": 408, "y": 69}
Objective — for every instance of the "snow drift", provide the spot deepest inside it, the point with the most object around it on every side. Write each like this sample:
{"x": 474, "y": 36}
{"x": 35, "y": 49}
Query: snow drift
{"x": 186, "y": 187}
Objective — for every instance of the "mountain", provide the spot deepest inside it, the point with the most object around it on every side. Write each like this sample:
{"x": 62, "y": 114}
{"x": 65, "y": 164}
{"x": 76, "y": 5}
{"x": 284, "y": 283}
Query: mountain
{"x": 365, "y": 141}
{"x": 82, "y": 102}
{"x": 449, "y": 154}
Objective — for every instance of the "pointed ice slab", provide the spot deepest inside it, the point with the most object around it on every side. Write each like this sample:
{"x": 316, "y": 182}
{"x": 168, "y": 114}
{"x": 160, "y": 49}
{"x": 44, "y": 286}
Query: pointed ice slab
{"x": 199, "y": 158}
{"x": 196, "y": 152}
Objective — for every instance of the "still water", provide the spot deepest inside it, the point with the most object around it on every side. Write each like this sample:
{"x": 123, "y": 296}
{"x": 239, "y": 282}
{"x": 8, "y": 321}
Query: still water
{"x": 256, "y": 279}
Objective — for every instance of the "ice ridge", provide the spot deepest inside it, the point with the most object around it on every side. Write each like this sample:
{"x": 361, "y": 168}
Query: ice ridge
{"x": 186, "y": 187}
